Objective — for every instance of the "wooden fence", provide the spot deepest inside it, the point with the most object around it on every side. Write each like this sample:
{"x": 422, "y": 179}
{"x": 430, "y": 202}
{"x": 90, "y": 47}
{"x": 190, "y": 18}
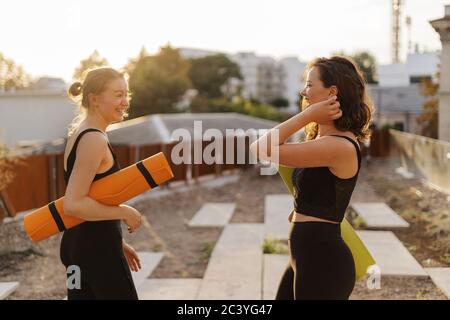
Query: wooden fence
{"x": 39, "y": 179}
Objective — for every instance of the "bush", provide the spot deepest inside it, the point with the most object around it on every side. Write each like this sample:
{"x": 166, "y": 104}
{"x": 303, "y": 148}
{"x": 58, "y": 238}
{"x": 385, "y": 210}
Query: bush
{"x": 7, "y": 166}
{"x": 238, "y": 105}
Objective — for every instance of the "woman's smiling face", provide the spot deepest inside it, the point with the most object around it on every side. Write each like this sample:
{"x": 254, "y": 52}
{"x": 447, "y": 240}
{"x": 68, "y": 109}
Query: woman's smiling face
{"x": 113, "y": 102}
{"x": 314, "y": 90}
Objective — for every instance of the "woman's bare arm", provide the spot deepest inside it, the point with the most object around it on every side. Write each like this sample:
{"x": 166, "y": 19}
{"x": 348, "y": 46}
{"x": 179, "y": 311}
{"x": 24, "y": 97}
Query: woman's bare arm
{"x": 326, "y": 152}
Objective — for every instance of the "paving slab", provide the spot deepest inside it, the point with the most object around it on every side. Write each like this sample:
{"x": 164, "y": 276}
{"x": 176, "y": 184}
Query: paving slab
{"x": 390, "y": 254}
{"x": 277, "y": 208}
{"x": 149, "y": 262}
{"x": 234, "y": 270}
{"x": 213, "y": 214}
{"x": 441, "y": 278}
{"x": 378, "y": 215}
{"x": 169, "y": 289}
{"x": 273, "y": 269}
{"x": 6, "y": 288}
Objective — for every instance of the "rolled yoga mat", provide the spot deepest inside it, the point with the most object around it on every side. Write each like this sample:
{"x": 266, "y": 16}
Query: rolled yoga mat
{"x": 112, "y": 190}
{"x": 362, "y": 257}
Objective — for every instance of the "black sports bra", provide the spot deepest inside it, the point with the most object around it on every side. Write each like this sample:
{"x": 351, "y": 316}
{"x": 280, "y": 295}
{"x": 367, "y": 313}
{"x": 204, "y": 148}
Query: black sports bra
{"x": 321, "y": 194}
{"x": 72, "y": 155}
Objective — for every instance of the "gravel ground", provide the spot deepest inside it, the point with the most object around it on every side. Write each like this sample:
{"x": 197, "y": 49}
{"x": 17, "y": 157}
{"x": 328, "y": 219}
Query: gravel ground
{"x": 41, "y": 275}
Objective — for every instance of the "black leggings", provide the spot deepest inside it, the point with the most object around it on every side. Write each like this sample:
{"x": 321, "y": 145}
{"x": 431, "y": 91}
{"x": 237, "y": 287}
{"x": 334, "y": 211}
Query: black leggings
{"x": 321, "y": 265}
{"x": 96, "y": 248}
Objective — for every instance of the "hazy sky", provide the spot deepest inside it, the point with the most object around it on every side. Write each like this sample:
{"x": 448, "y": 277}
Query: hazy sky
{"x": 49, "y": 37}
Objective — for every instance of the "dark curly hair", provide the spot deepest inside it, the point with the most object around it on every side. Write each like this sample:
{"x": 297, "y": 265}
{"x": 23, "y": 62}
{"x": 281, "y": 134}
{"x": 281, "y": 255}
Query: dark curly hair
{"x": 357, "y": 108}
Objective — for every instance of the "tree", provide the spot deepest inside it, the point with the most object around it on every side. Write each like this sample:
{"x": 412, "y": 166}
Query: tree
{"x": 244, "y": 106}
{"x": 131, "y": 65}
{"x": 428, "y": 119}
{"x": 158, "y": 82}
{"x": 93, "y": 61}
{"x": 279, "y": 102}
{"x": 12, "y": 76}
{"x": 209, "y": 74}
{"x": 366, "y": 62}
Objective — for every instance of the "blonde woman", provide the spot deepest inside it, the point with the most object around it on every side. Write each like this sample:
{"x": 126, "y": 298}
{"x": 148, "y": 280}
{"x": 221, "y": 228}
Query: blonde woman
{"x": 96, "y": 246}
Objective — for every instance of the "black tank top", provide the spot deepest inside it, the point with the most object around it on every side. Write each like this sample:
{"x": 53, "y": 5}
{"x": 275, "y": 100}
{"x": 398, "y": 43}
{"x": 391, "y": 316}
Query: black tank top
{"x": 93, "y": 243}
{"x": 72, "y": 156}
{"x": 321, "y": 194}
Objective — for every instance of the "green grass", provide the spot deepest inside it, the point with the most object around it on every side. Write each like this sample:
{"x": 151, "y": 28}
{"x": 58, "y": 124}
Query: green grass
{"x": 207, "y": 251}
{"x": 445, "y": 258}
{"x": 274, "y": 246}
{"x": 157, "y": 247}
{"x": 356, "y": 221}
{"x": 420, "y": 295}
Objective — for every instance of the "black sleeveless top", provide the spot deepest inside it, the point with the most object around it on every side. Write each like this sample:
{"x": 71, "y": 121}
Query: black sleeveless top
{"x": 321, "y": 194}
{"x": 72, "y": 156}
{"x": 88, "y": 230}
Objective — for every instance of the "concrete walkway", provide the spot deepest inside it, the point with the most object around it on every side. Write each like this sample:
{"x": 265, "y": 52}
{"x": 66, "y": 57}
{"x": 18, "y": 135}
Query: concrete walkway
{"x": 441, "y": 278}
{"x": 390, "y": 254}
{"x": 276, "y": 212}
{"x": 213, "y": 214}
{"x": 378, "y": 215}
{"x": 169, "y": 289}
{"x": 149, "y": 262}
{"x": 6, "y": 288}
{"x": 234, "y": 270}
{"x": 274, "y": 267}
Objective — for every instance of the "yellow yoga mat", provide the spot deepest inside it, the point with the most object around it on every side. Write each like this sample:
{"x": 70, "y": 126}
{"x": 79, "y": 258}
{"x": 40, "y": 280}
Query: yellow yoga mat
{"x": 111, "y": 190}
{"x": 363, "y": 258}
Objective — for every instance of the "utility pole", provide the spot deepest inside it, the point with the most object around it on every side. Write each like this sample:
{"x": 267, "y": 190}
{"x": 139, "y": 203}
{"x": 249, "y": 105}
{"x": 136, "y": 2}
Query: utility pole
{"x": 396, "y": 6}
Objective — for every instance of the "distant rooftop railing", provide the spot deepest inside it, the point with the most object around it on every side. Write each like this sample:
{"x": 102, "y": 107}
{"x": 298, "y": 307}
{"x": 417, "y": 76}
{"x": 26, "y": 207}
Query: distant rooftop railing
{"x": 428, "y": 156}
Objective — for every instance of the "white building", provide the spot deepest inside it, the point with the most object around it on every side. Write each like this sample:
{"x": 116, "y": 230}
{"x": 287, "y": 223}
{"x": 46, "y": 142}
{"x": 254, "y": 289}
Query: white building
{"x": 417, "y": 66}
{"x": 33, "y": 116}
{"x": 294, "y": 82}
{"x": 248, "y": 64}
{"x": 49, "y": 83}
{"x": 264, "y": 78}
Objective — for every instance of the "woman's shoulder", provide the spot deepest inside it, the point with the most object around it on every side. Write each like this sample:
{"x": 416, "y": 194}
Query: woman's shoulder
{"x": 343, "y": 141}
{"x": 344, "y": 136}
{"x": 89, "y": 139}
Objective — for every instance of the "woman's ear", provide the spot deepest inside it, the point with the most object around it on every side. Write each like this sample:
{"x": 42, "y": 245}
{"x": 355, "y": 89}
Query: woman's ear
{"x": 333, "y": 91}
{"x": 92, "y": 98}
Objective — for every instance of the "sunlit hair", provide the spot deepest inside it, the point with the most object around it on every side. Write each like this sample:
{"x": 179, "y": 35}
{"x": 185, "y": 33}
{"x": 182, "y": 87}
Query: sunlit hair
{"x": 94, "y": 81}
{"x": 356, "y": 105}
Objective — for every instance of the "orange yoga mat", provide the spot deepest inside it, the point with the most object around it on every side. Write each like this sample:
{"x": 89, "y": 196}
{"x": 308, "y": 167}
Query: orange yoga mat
{"x": 111, "y": 190}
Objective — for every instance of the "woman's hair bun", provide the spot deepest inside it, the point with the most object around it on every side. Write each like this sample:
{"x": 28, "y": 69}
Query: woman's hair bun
{"x": 75, "y": 89}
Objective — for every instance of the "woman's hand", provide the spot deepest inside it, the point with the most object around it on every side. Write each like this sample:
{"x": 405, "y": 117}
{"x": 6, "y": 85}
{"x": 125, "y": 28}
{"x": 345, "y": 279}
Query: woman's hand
{"x": 132, "y": 257}
{"x": 131, "y": 217}
{"x": 324, "y": 111}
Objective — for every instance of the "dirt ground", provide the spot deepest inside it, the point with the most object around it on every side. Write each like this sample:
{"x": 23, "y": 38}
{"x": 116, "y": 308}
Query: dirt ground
{"x": 41, "y": 275}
